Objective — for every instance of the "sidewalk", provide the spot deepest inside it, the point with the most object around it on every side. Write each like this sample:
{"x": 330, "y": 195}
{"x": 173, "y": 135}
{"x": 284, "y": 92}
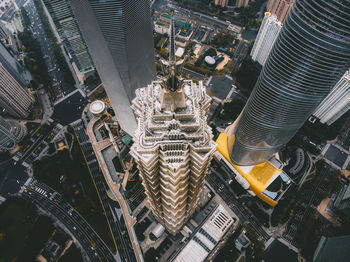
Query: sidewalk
{"x": 129, "y": 220}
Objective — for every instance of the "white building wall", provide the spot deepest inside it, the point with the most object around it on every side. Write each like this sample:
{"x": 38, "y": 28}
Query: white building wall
{"x": 336, "y": 103}
{"x": 268, "y": 33}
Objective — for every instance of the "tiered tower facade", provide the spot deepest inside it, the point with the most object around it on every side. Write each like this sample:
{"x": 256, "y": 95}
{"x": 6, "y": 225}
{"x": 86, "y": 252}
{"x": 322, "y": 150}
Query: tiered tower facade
{"x": 173, "y": 144}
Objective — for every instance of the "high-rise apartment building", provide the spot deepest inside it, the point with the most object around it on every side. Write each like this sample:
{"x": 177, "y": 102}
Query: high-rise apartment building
{"x": 312, "y": 48}
{"x": 268, "y": 33}
{"x": 222, "y": 3}
{"x": 280, "y": 8}
{"x": 336, "y": 103}
{"x": 14, "y": 97}
{"x": 241, "y": 3}
{"x": 173, "y": 143}
{"x": 119, "y": 37}
{"x": 68, "y": 29}
{"x": 11, "y": 133}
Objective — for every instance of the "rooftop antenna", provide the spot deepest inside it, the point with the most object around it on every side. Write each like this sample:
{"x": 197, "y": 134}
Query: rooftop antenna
{"x": 172, "y": 58}
{"x": 172, "y": 97}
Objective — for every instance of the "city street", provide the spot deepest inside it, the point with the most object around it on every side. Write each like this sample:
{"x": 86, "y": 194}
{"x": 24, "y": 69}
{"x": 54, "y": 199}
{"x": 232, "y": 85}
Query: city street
{"x": 69, "y": 109}
{"x": 308, "y": 202}
{"x": 112, "y": 209}
{"x": 236, "y": 206}
{"x": 52, "y": 202}
{"x": 60, "y": 87}
{"x": 10, "y": 173}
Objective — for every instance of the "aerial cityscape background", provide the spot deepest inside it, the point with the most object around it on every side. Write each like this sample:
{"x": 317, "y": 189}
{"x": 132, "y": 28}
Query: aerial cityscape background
{"x": 174, "y": 130}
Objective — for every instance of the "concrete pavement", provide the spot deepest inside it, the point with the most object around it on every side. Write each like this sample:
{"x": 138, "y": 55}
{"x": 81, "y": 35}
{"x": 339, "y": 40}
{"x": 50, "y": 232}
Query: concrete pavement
{"x": 115, "y": 189}
{"x": 111, "y": 207}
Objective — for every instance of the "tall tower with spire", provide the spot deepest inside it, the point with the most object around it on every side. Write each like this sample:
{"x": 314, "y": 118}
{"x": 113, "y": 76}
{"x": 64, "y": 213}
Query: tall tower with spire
{"x": 173, "y": 143}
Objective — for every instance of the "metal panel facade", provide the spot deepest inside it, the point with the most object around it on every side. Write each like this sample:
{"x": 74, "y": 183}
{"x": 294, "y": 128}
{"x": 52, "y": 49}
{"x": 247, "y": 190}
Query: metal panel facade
{"x": 120, "y": 40}
{"x": 310, "y": 55}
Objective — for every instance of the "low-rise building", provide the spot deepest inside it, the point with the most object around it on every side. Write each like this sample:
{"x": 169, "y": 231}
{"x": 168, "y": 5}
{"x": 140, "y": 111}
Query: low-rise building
{"x": 162, "y": 24}
{"x": 207, "y": 237}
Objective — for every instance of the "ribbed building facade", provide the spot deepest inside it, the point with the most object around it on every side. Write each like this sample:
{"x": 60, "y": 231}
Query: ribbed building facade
{"x": 68, "y": 29}
{"x": 310, "y": 55}
{"x": 11, "y": 133}
{"x": 241, "y": 3}
{"x": 280, "y": 8}
{"x": 268, "y": 33}
{"x": 336, "y": 103}
{"x": 222, "y": 3}
{"x": 14, "y": 97}
{"x": 119, "y": 36}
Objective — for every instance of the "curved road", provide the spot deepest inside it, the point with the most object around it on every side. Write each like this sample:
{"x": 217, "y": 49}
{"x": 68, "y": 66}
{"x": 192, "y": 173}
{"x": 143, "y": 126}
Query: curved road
{"x": 52, "y": 202}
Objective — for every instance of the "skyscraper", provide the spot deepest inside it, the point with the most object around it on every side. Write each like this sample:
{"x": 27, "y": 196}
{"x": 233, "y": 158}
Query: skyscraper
{"x": 120, "y": 40}
{"x": 336, "y": 103}
{"x": 173, "y": 143}
{"x": 268, "y": 33}
{"x": 11, "y": 133}
{"x": 241, "y": 3}
{"x": 310, "y": 55}
{"x": 221, "y": 3}
{"x": 14, "y": 97}
{"x": 280, "y": 8}
{"x": 68, "y": 29}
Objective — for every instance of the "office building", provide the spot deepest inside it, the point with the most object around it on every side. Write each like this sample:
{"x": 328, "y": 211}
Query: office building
{"x": 342, "y": 201}
{"x": 241, "y": 3}
{"x": 288, "y": 89}
{"x": 119, "y": 37}
{"x": 14, "y": 97}
{"x": 68, "y": 30}
{"x": 311, "y": 53}
{"x": 335, "y": 249}
{"x": 336, "y": 103}
{"x": 280, "y": 8}
{"x": 268, "y": 33}
{"x": 222, "y": 3}
{"x": 173, "y": 144}
{"x": 11, "y": 133}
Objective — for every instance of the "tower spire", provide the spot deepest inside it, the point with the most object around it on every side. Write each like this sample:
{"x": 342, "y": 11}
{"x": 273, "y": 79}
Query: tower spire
{"x": 172, "y": 58}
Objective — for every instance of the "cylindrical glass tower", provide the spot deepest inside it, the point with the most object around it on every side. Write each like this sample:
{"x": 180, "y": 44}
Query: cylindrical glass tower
{"x": 310, "y": 55}
{"x": 10, "y": 134}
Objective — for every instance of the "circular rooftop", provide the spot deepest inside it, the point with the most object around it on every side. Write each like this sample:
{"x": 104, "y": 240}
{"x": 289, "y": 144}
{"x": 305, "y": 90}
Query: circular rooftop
{"x": 97, "y": 107}
{"x": 209, "y": 60}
